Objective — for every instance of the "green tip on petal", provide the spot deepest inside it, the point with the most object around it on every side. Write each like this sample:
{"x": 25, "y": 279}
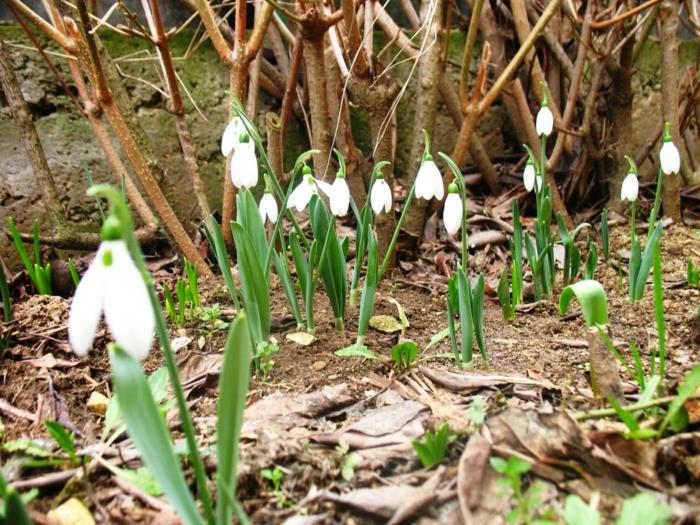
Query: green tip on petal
{"x": 667, "y": 132}
{"x": 111, "y": 229}
{"x": 243, "y": 138}
{"x": 107, "y": 258}
{"x": 452, "y": 188}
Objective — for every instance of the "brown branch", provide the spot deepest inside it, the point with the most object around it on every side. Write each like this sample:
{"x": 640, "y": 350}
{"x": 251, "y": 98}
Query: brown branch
{"x": 35, "y": 153}
{"x": 357, "y": 55}
{"x": 189, "y": 154}
{"x": 70, "y": 239}
{"x": 211, "y": 24}
{"x": 624, "y": 16}
{"x": 257, "y": 36}
{"x": 49, "y": 30}
{"x": 467, "y": 55}
{"x": 290, "y": 90}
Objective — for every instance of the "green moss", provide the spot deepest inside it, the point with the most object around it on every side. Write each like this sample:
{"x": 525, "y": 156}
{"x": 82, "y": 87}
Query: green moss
{"x": 649, "y": 61}
{"x": 361, "y": 131}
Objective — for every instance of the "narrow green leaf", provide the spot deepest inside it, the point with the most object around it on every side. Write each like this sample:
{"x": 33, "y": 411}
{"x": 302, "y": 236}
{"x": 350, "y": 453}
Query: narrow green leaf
{"x": 233, "y": 390}
{"x": 356, "y": 350}
{"x": 147, "y": 429}
{"x": 691, "y": 382}
{"x": 591, "y": 296}
{"x": 370, "y": 287}
{"x": 282, "y": 269}
{"x": 465, "y": 316}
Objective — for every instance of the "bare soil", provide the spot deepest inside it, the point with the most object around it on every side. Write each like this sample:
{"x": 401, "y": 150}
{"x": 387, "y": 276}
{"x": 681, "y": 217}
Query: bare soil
{"x": 312, "y": 397}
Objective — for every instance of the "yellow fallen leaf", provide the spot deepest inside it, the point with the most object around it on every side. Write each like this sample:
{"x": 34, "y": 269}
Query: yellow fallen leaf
{"x": 72, "y": 512}
{"x": 97, "y": 403}
{"x": 301, "y": 338}
{"x": 385, "y": 323}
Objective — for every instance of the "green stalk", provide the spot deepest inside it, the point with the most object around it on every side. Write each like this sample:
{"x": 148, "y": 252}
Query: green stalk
{"x": 5, "y": 293}
{"x": 657, "y": 203}
{"x": 124, "y": 216}
{"x": 317, "y": 274}
{"x": 217, "y": 241}
{"x": 278, "y": 222}
{"x": 459, "y": 178}
{"x": 395, "y": 237}
{"x": 369, "y": 290}
{"x": 659, "y": 310}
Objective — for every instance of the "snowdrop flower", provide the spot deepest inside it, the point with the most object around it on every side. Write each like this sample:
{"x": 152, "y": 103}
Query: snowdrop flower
{"x": 529, "y": 175}
{"x": 229, "y": 139}
{"x": 545, "y": 120}
{"x": 268, "y": 207}
{"x": 380, "y": 197}
{"x": 429, "y": 180}
{"x": 630, "y": 187}
{"x": 112, "y": 285}
{"x": 244, "y": 165}
{"x": 669, "y": 156}
{"x": 452, "y": 215}
{"x": 301, "y": 195}
{"x": 338, "y": 193}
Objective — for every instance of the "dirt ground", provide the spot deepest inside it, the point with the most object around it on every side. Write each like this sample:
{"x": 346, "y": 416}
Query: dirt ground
{"x": 312, "y": 400}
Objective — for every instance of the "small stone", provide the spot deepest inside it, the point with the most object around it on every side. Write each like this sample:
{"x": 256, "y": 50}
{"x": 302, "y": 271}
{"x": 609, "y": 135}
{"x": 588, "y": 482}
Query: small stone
{"x": 98, "y": 403}
{"x": 319, "y": 365}
{"x": 72, "y": 512}
{"x": 179, "y": 343}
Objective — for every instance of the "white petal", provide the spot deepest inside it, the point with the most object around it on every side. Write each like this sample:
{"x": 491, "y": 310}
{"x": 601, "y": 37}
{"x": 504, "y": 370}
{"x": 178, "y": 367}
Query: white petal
{"x": 300, "y": 197}
{"x": 326, "y": 188}
{"x": 380, "y": 198}
{"x": 86, "y": 308}
{"x": 268, "y": 208}
{"x": 423, "y": 186}
{"x": 545, "y": 122}
{"x": 128, "y": 310}
{"x": 529, "y": 177}
{"x": 229, "y": 140}
{"x": 244, "y": 166}
{"x": 452, "y": 215}
{"x": 340, "y": 198}
{"x": 630, "y": 188}
{"x": 538, "y": 180}
{"x": 670, "y": 158}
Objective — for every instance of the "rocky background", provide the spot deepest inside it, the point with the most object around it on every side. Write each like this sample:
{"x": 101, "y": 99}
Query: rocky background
{"x": 70, "y": 147}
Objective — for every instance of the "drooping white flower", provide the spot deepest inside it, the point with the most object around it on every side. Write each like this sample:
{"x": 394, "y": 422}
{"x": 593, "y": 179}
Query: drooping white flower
{"x": 112, "y": 285}
{"x": 545, "y": 121}
{"x": 380, "y": 197}
{"x": 244, "y": 165}
{"x": 452, "y": 214}
{"x": 229, "y": 140}
{"x": 301, "y": 195}
{"x": 429, "y": 180}
{"x": 669, "y": 156}
{"x": 529, "y": 175}
{"x": 268, "y": 207}
{"x": 630, "y": 188}
{"x": 338, "y": 194}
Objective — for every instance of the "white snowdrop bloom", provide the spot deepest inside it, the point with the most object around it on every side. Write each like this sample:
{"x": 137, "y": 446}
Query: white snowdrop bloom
{"x": 669, "y": 156}
{"x": 301, "y": 195}
{"x": 545, "y": 121}
{"x": 244, "y": 165}
{"x": 452, "y": 214}
{"x": 232, "y": 133}
{"x": 380, "y": 197}
{"x": 338, "y": 194}
{"x": 630, "y": 188}
{"x": 529, "y": 175}
{"x": 112, "y": 285}
{"x": 429, "y": 181}
{"x": 268, "y": 207}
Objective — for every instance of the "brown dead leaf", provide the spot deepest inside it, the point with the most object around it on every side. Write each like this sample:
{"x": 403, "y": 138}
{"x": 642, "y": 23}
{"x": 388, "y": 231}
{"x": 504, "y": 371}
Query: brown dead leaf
{"x": 49, "y": 361}
{"x": 467, "y": 382}
{"x": 473, "y": 465}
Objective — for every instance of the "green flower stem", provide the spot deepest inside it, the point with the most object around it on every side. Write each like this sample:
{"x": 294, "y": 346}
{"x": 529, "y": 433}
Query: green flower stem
{"x": 636, "y": 407}
{"x": 463, "y": 195}
{"x": 395, "y": 237}
{"x": 122, "y": 212}
{"x": 5, "y": 292}
{"x": 278, "y": 223}
{"x": 322, "y": 257}
{"x": 657, "y": 204}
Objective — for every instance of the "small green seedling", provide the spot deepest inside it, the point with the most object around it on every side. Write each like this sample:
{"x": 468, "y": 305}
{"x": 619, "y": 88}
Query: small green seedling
{"x": 591, "y": 262}
{"x": 13, "y": 505}
{"x": 263, "y": 358}
{"x": 578, "y": 512}
{"x": 477, "y": 410}
{"x": 605, "y": 235}
{"x": 506, "y": 295}
{"x": 274, "y": 476}
{"x": 73, "y": 272}
{"x": 403, "y": 354}
{"x": 643, "y": 508}
{"x": 527, "y": 502}
{"x": 432, "y": 448}
{"x": 39, "y": 274}
{"x": 64, "y": 439}
{"x": 185, "y": 304}
{"x": 348, "y": 461}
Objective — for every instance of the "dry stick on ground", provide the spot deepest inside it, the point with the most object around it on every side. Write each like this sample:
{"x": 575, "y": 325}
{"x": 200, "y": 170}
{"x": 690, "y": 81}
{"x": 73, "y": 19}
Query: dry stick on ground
{"x": 273, "y": 127}
{"x": 668, "y": 14}
{"x": 237, "y": 59}
{"x": 155, "y": 24}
